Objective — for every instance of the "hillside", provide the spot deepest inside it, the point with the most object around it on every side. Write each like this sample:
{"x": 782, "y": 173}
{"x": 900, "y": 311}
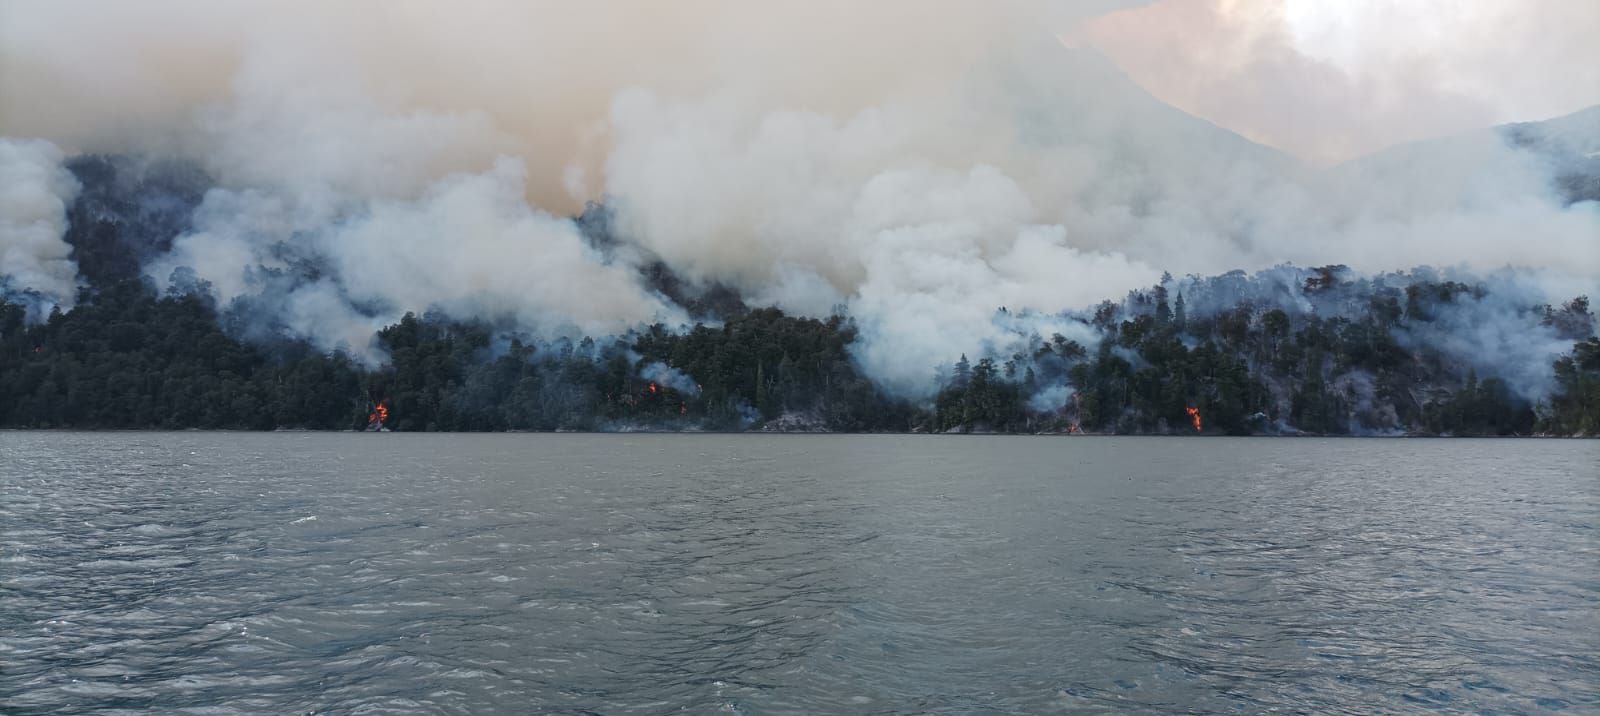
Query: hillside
{"x": 1291, "y": 351}
{"x": 1285, "y": 351}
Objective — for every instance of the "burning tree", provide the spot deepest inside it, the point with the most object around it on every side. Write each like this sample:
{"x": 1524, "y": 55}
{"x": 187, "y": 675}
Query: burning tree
{"x": 378, "y": 416}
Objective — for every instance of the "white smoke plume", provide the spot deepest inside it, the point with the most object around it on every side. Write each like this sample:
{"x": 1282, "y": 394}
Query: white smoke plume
{"x": 36, "y": 265}
{"x": 469, "y": 247}
{"x": 920, "y": 163}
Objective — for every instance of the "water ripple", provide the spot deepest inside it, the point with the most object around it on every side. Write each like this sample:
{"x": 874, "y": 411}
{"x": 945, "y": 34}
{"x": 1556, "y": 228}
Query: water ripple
{"x": 746, "y": 574}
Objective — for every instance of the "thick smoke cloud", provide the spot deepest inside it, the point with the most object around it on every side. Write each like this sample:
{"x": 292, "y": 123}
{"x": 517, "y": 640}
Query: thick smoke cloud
{"x": 919, "y": 164}
{"x": 36, "y": 265}
{"x": 469, "y": 247}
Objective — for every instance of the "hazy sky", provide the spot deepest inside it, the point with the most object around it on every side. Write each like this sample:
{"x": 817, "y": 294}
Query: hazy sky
{"x": 1332, "y": 79}
{"x": 1323, "y": 79}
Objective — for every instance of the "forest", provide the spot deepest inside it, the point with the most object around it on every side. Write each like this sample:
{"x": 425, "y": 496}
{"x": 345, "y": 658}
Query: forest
{"x": 1284, "y": 351}
{"x": 127, "y": 358}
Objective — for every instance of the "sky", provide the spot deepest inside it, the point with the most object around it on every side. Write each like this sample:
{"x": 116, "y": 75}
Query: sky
{"x": 1328, "y": 80}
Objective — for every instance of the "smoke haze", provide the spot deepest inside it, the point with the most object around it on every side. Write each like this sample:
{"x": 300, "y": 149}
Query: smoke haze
{"x": 920, "y": 164}
{"x": 1333, "y": 80}
{"x": 35, "y": 263}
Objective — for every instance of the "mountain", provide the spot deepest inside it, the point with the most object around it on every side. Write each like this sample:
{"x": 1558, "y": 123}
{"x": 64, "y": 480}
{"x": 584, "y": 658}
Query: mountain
{"x": 1570, "y": 145}
{"x": 1079, "y": 96}
{"x": 1287, "y": 350}
{"x": 1561, "y": 154}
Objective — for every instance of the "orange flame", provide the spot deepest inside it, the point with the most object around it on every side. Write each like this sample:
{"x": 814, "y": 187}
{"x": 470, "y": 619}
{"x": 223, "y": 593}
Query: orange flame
{"x": 654, "y": 389}
{"x": 1194, "y": 415}
{"x": 379, "y": 415}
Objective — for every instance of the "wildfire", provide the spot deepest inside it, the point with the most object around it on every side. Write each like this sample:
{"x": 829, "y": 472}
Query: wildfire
{"x": 654, "y": 389}
{"x": 379, "y": 415}
{"x": 1194, "y": 415}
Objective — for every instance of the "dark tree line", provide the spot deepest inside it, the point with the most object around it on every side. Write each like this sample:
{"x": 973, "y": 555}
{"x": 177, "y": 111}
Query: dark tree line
{"x": 751, "y": 369}
{"x": 1250, "y": 369}
{"x": 1575, "y": 409}
{"x": 127, "y": 358}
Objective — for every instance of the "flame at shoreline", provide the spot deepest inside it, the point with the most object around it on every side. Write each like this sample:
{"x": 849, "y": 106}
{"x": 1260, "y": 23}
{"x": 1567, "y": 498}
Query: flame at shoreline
{"x": 1077, "y": 415}
{"x": 1194, "y": 416}
{"x": 379, "y": 415}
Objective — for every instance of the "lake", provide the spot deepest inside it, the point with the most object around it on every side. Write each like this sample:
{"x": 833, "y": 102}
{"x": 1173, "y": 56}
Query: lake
{"x": 389, "y": 573}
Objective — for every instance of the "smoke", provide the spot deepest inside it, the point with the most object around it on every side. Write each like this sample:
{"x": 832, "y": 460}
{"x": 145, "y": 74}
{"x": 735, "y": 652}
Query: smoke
{"x": 921, "y": 164}
{"x": 670, "y": 377}
{"x": 1496, "y": 334}
{"x": 36, "y": 265}
{"x": 1051, "y": 399}
{"x": 541, "y": 76}
{"x": 1493, "y": 324}
{"x": 468, "y": 248}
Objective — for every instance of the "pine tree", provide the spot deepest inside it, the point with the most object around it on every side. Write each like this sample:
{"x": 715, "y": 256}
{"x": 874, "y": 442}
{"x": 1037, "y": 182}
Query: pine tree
{"x": 963, "y": 372}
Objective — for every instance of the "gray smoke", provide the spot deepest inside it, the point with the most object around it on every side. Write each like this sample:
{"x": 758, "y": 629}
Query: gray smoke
{"x": 36, "y": 265}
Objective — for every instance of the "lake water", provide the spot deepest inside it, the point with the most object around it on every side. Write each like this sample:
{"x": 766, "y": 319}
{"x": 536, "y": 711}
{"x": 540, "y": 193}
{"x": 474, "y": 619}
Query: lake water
{"x": 356, "y": 573}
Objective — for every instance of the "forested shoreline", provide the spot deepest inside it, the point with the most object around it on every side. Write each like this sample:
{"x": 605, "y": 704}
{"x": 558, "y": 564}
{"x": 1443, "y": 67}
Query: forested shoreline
{"x": 1284, "y": 351}
{"x": 126, "y": 358}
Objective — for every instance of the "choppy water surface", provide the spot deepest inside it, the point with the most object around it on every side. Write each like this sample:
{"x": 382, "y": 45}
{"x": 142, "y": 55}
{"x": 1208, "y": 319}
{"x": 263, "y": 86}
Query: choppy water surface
{"x": 284, "y": 573}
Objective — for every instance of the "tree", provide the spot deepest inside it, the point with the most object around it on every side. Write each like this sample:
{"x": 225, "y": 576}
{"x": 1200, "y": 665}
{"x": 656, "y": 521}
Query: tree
{"x": 963, "y": 374}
